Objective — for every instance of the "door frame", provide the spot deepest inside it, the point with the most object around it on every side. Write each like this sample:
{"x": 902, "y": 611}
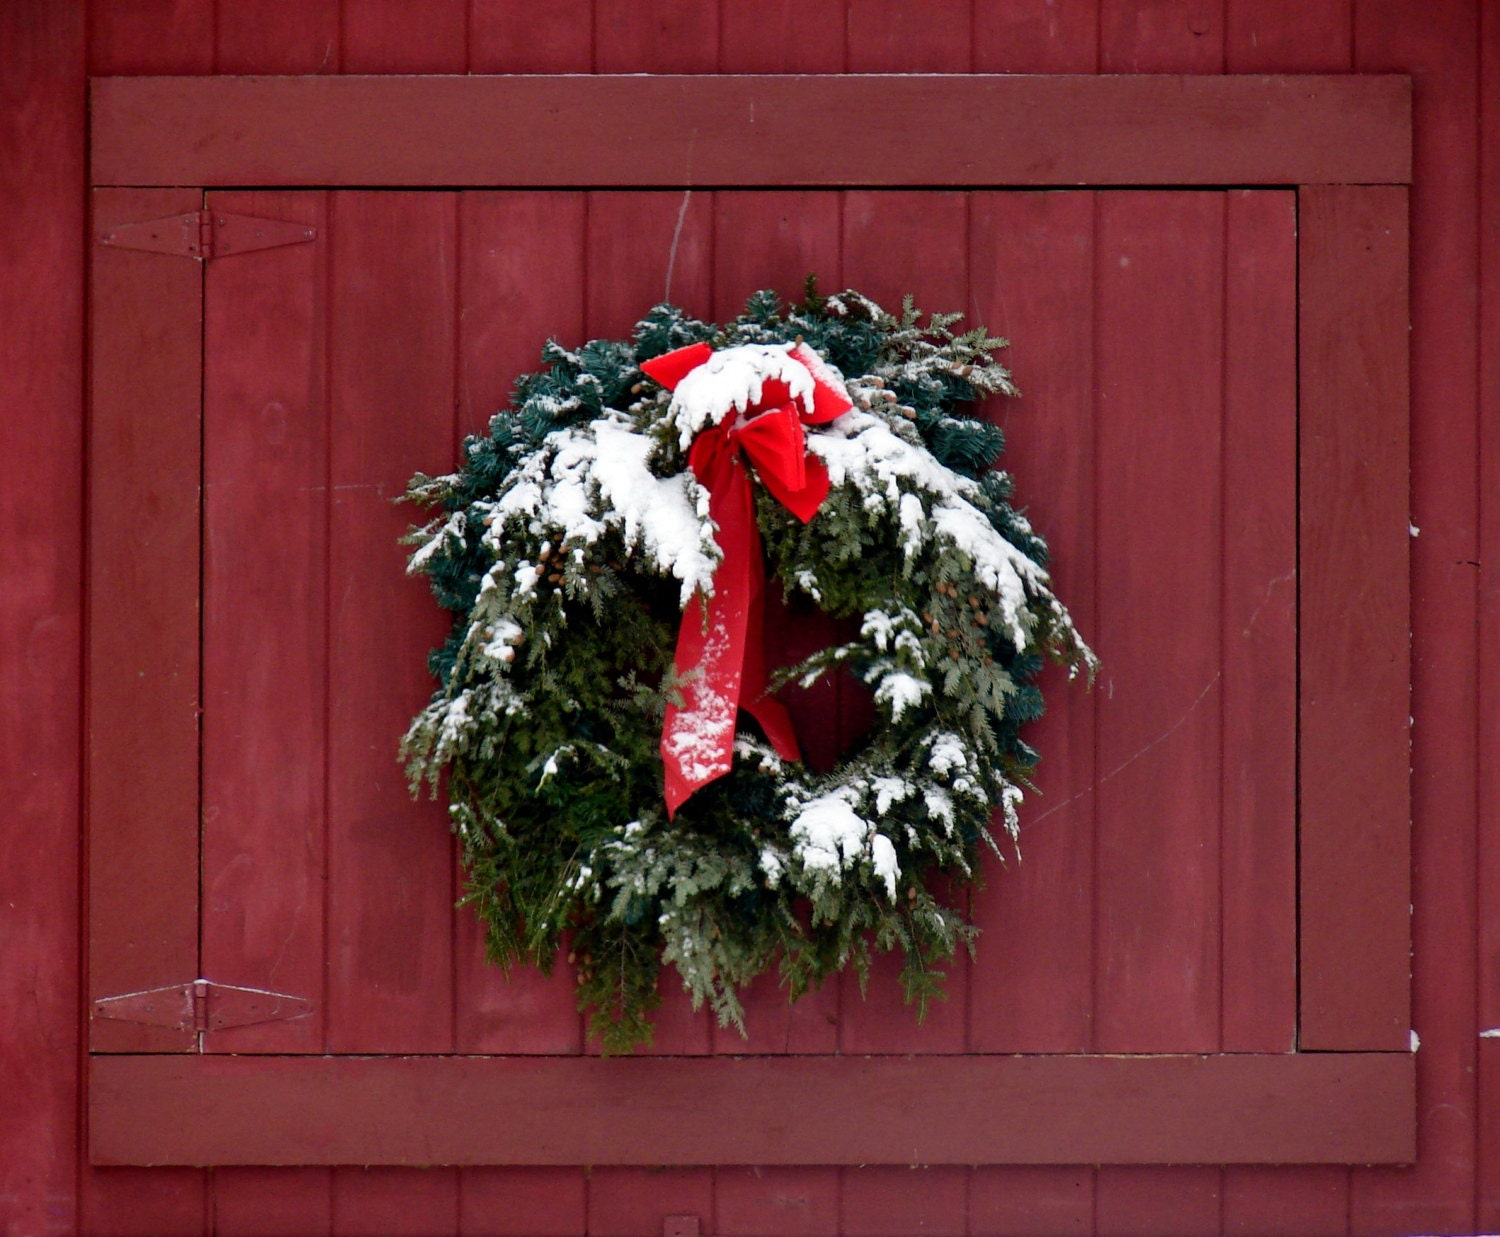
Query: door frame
{"x": 1347, "y": 1094}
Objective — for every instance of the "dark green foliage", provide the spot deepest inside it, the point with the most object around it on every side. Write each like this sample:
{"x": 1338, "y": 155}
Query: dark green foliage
{"x": 555, "y": 680}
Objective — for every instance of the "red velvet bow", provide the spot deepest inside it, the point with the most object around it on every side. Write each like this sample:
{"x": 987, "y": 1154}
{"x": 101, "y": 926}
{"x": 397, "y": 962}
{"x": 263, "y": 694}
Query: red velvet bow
{"x": 720, "y": 659}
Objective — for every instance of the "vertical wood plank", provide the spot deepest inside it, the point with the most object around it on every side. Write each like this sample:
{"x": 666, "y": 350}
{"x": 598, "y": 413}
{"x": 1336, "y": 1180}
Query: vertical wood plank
{"x": 390, "y": 873}
{"x": 271, "y": 36}
{"x": 1286, "y": 1202}
{"x": 43, "y": 210}
{"x": 144, "y": 1202}
{"x": 897, "y": 243}
{"x": 1488, "y": 952}
{"x": 1260, "y": 623}
{"x": 888, "y": 36}
{"x": 1354, "y": 620}
{"x": 395, "y": 36}
{"x": 1032, "y": 281}
{"x": 144, "y": 476}
{"x": 272, "y": 1202}
{"x": 894, "y": 1201}
{"x": 644, "y": 248}
{"x": 1158, "y": 1202}
{"x": 626, "y": 1202}
{"x": 512, "y": 36}
{"x": 655, "y": 36}
{"x": 150, "y": 36}
{"x": 523, "y": 1202}
{"x": 1035, "y": 36}
{"x": 1315, "y": 37}
{"x": 1161, "y": 36}
{"x": 395, "y": 1202}
{"x": 775, "y": 240}
{"x": 265, "y": 657}
{"x": 1439, "y": 46}
{"x": 1032, "y": 1202}
{"x": 781, "y": 36}
{"x": 1159, "y": 328}
{"x": 777, "y": 1202}
{"x": 521, "y": 283}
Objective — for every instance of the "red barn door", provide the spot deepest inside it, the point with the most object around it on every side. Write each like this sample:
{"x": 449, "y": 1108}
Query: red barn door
{"x": 257, "y": 413}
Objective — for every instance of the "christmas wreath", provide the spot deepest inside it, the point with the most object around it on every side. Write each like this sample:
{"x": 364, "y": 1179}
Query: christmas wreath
{"x": 619, "y": 772}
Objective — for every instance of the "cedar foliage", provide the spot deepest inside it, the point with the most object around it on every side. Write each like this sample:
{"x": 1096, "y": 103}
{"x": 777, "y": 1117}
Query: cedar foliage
{"x": 553, "y": 684}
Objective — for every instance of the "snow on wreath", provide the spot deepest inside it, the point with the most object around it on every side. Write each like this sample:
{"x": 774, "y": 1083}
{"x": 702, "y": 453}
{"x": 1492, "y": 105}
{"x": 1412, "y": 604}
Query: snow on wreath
{"x": 619, "y": 769}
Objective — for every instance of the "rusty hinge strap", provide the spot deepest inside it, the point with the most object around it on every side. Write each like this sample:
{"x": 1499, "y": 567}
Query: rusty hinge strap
{"x": 202, "y": 1005}
{"x": 204, "y": 234}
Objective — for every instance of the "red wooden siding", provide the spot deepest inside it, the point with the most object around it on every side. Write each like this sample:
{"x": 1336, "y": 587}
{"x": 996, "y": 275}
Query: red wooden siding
{"x": 1452, "y": 49}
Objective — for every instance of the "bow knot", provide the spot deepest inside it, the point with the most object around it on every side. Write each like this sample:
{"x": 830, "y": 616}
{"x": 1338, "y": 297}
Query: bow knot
{"x": 720, "y": 661}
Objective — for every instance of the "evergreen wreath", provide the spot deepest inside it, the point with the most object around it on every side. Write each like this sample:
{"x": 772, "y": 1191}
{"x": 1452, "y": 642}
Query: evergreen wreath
{"x": 570, "y": 544}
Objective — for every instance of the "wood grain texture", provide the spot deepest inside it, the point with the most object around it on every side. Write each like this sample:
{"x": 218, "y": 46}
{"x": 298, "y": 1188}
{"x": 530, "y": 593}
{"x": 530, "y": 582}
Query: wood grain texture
{"x": 1047, "y": 1201}
{"x": 521, "y": 282}
{"x": 151, "y": 36}
{"x": 513, "y": 36}
{"x": 265, "y": 621}
{"x": 888, "y": 36}
{"x": 1032, "y": 263}
{"x": 777, "y": 1202}
{"x": 656, "y": 36}
{"x": 675, "y": 130}
{"x": 143, "y": 668}
{"x": 898, "y": 244}
{"x": 1440, "y": 46}
{"x": 1354, "y": 631}
{"x": 1167, "y": 1201}
{"x": 390, "y": 36}
{"x": 1258, "y": 641}
{"x": 1035, "y": 36}
{"x": 1161, "y": 36}
{"x": 782, "y": 36}
{"x": 43, "y": 211}
{"x": 1158, "y": 478}
{"x": 1282, "y": 1108}
{"x": 271, "y": 36}
{"x": 1313, "y": 37}
{"x": 393, "y": 305}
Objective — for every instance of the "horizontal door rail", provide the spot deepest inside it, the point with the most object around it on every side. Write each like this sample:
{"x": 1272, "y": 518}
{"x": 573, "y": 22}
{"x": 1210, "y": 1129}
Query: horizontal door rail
{"x": 854, "y": 130}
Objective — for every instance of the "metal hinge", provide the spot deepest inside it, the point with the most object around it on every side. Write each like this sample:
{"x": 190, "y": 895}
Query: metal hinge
{"x": 202, "y": 1005}
{"x": 204, "y": 234}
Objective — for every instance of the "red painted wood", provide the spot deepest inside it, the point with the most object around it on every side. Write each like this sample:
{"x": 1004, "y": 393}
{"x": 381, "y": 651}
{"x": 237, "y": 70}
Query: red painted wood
{"x": 142, "y": 1202}
{"x": 1032, "y": 264}
{"x": 151, "y": 36}
{"x": 523, "y": 1202}
{"x": 781, "y": 36}
{"x": 887, "y": 36}
{"x": 1158, "y": 1202}
{"x": 42, "y": 216}
{"x": 1487, "y": 1159}
{"x": 265, "y": 622}
{"x": 1314, "y": 37}
{"x": 644, "y": 248}
{"x": 521, "y": 282}
{"x": 1227, "y": 1108}
{"x": 394, "y": 1202}
{"x": 1259, "y": 637}
{"x": 1032, "y": 1202}
{"x": 589, "y": 131}
{"x": 391, "y": 875}
{"x": 1354, "y": 659}
{"x": 143, "y": 634}
{"x": 777, "y": 1202}
{"x": 895, "y": 1201}
{"x": 775, "y": 240}
{"x": 625, "y": 1202}
{"x": 1161, "y": 36}
{"x": 1285, "y": 1202}
{"x": 271, "y": 36}
{"x": 1441, "y": 47}
{"x": 655, "y": 36}
{"x": 512, "y": 36}
{"x": 383, "y": 36}
{"x": 272, "y": 1202}
{"x": 895, "y": 244}
{"x": 1159, "y": 410}
{"x": 1035, "y": 36}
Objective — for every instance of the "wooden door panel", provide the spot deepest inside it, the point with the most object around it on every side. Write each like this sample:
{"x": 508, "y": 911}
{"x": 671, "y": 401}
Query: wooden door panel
{"x": 1155, "y": 911}
{"x": 265, "y": 623}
